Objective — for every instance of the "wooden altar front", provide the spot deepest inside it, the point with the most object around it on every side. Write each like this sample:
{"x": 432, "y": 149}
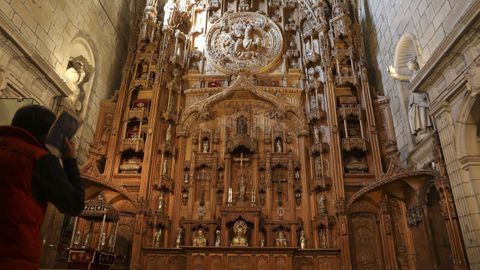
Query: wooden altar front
{"x": 240, "y": 258}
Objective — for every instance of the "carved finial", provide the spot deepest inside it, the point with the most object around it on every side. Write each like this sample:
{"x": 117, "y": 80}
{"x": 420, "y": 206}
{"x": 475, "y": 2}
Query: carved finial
{"x": 150, "y": 11}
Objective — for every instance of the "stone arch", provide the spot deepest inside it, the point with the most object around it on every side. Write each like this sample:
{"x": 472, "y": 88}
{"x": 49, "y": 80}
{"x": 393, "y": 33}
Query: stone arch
{"x": 467, "y": 128}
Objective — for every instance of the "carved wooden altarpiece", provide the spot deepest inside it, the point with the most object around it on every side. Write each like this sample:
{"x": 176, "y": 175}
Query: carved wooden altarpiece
{"x": 254, "y": 121}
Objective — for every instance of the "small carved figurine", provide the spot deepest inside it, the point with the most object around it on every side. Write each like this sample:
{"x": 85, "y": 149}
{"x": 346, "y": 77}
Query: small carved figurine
{"x": 111, "y": 242}
{"x": 161, "y": 203}
{"x": 240, "y": 238}
{"x": 217, "y": 238}
{"x": 179, "y": 240}
{"x": 278, "y": 145}
{"x": 200, "y": 240}
{"x": 230, "y": 197}
{"x": 242, "y": 187}
{"x": 206, "y": 146}
{"x": 157, "y": 237}
{"x": 87, "y": 239}
{"x": 281, "y": 241}
{"x": 323, "y": 238}
{"x": 77, "y": 239}
{"x": 303, "y": 239}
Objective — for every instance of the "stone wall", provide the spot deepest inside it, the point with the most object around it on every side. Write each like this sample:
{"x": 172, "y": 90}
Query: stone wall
{"x": 40, "y": 37}
{"x": 448, "y": 47}
{"x": 383, "y": 23}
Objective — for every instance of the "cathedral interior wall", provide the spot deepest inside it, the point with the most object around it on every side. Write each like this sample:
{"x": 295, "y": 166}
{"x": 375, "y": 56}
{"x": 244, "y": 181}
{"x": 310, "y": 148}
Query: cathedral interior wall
{"x": 40, "y": 38}
{"x": 384, "y": 23}
{"x": 448, "y": 59}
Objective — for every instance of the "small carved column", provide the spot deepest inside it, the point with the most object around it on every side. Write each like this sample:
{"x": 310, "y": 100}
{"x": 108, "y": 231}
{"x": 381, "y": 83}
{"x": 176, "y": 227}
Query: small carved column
{"x": 187, "y": 241}
{"x": 211, "y": 235}
{"x": 254, "y": 176}
{"x": 269, "y": 236}
{"x": 177, "y": 202}
{"x": 307, "y": 199}
{"x": 138, "y": 233}
{"x": 228, "y": 176}
{"x": 388, "y": 241}
{"x": 293, "y": 235}
{"x": 256, "y": 224}
{"x": 224, "y": 230}
{"x": 449, "y": 212}
{"x": 268, "y": 181}
{"x": 290, "y": 188}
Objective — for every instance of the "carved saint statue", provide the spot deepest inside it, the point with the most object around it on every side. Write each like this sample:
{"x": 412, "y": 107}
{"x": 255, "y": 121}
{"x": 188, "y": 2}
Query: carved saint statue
{"x": 206, "y": 146}
{"x": 316, "y": 135}
{"x": 254, "y": 199}
{"x": 186, "y": 177}
{"x": 88, "y": 237}
{"x": 240, "y": 231}
{"x": 103, "y": 240}
{"x": 297, "y": 175}
{"x": 179, "y": 239}
{"x": 313, "y": 103}
{"x": 323, "y": 238}
{"x": 156, "y": 238}
{"x": 278, "y": 145}
{"x": 245, "y": 47}
{"x": 77, "y": 239}
{"x": 230, "y": 197}
{"x": 242, "y": 187}
{"x": 168, "y": 11}
{"x": 164, "y": 167}
{"x": 418, "y": 114}
{"x": 303, "y": 239}
{"x": 321, "y": 204}
{"x": 168, "y": 133}
{"x": 111, "y": 242}
{"x": 281, "y": 241}
{"x": 200, "y": 240}
{"x": 241, "y": 125}
{"x": 217, "y": 238}
{"x": 161, "y": 203}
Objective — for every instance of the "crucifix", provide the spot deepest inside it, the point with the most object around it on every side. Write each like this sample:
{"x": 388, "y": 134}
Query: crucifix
{"x": 241, "y": 159}
{"x": 279, "y": 181}
{"x": 242, "y": 182}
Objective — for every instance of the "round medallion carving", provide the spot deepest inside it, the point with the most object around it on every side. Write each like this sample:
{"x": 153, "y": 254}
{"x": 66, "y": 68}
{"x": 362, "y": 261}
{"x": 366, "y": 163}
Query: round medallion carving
{"x": 244, "y": 41}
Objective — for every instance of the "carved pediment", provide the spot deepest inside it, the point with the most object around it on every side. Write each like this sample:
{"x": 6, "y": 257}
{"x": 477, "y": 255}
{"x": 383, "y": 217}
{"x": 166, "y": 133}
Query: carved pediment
{"x": 242, "y": 89}
{"x": 242, "y": 140}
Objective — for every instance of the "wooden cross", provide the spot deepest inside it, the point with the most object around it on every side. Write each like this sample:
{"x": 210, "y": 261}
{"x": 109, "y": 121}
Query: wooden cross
{"x": 280, "y": 190}
{"x": 241, "y": 160}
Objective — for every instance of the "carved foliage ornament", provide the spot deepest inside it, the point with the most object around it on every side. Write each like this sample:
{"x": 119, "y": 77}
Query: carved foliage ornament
{"x": 244, "y": 41}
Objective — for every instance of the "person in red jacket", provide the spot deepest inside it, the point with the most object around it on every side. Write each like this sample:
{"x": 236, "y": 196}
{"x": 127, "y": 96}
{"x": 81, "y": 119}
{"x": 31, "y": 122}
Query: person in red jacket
{"x": 29, "y": 178}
